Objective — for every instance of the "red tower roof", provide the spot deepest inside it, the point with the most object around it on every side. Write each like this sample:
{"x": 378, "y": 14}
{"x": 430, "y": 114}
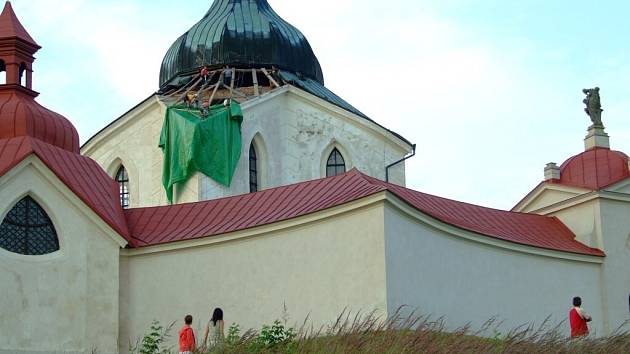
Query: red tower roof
{"x": 20, "y": 115}
{"x": 27, "y": 128}
{"x": 10, "y": 26}
{"x": 595, "y": 169}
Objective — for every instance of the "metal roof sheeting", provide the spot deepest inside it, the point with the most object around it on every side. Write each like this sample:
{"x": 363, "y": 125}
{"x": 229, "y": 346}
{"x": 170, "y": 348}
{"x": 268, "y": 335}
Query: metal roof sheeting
{"x": 158, "y": 225}
{"x": 241, "y": 33}
{"x": 82, "y": 175}
{"x": 10, "y": 26}
{"x": 21, "y": 115}
{"x": 594, "y": 169}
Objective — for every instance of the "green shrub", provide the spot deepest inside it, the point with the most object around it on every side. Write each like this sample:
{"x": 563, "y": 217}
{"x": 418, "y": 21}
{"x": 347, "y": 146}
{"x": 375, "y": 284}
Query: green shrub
{"x": 234, "y": 334}
{"x": 152, "y": 342}
{"x": 275, "y": 334}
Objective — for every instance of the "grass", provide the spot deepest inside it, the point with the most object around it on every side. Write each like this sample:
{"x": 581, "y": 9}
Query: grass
{"x": 415, "y": 333}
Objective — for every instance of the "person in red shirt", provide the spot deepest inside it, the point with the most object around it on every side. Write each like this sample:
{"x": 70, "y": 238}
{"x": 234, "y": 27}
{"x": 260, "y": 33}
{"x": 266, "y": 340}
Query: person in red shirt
{"x": 187, "y": 337}
{"x": 578, "y": 319}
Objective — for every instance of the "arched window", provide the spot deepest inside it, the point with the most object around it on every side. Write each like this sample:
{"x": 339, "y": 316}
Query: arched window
{"x": 335, "y": 164}
{"x": 23, "y": 74}
{"x": 3, "y": 73}
{"x": 253, "y": 169}
{"x": 123, "y": 186}
{"x": 27, "y": 230}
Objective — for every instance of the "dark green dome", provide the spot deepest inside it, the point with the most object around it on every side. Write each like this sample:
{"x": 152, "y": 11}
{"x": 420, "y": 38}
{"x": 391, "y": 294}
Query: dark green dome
{"x": 241, "y": 33}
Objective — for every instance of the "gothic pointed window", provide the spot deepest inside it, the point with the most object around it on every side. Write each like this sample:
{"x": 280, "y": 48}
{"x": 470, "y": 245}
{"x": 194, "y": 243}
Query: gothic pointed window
{"x": 335, "y": 164}
{"x": 27, "y": 229}
{"x": 253, "y": 169}
{"x": 123, "y": 186}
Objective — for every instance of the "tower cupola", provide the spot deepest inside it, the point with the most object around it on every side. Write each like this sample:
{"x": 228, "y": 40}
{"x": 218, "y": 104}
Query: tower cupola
{"x": 17, "y": 48}
{"x": 20, "y": 114}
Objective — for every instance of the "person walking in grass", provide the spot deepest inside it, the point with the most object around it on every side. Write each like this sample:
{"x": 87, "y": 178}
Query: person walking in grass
{"x": 187, "y": 337}
{"x": 214, "y": 329}
{"x": 578, "y": 319}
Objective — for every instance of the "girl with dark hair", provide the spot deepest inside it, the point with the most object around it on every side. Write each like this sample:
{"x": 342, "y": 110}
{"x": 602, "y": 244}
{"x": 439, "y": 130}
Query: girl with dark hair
{"x": 215, "y": 329}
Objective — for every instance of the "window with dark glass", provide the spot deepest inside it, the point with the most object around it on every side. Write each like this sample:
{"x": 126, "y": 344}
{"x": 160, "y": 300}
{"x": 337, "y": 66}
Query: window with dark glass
{"x": 27, "y": 230}
{"x": 253, "y": 169}
{"x": 336, "y": 164}
{"x": 123, "y": 186}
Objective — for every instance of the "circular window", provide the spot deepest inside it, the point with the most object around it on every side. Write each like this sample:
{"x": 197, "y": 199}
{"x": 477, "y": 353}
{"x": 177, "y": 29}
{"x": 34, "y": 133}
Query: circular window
{"x": 27, "y": 230}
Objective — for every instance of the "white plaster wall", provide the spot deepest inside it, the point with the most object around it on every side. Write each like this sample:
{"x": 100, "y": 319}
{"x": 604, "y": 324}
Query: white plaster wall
{"x": 133, "y": 141}
{"x": 549, "y": 197}
{"x": 316, "y": 270}
{"x": 466, "y": 281}
{"x": 616, "y": 270}
{"x": 298, "y": 135}
{"x": 66, "y": 300}
{"x": 297, "y": 130}
{"x": 584, "y": 220}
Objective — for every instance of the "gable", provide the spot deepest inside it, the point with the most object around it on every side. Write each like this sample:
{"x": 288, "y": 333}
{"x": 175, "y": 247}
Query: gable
{"x": 87, "y": 181}
{"x": 620, "y": 187}
{"x": 72, "y": 218}
{"x": 547, "y": 194}
{"x": 82, "y": 275}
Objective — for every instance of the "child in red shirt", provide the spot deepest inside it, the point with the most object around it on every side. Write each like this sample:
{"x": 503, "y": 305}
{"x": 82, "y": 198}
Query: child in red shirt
{"x": 187, "y": 337}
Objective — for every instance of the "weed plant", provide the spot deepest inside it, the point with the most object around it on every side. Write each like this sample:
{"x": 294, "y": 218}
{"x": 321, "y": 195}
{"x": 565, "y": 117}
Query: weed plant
{"x": 413, "y": 333}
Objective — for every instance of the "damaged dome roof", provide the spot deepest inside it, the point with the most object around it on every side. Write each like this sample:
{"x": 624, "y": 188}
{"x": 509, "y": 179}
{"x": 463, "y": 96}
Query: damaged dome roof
{"x": 241, "y": 33}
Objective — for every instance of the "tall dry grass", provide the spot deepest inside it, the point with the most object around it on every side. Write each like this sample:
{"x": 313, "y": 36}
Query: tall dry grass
{"x": 415, "y": 333}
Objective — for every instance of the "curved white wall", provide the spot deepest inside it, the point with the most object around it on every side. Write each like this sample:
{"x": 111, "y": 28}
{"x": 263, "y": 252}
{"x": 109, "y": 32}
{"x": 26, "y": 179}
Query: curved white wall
{"x": 466, "y": 281}
{"x": 315, "y": 269}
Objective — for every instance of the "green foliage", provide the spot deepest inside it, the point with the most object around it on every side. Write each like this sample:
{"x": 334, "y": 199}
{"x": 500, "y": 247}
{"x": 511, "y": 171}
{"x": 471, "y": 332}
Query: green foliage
{"x": 275, "y": 334}
{"x": 276, "y": 337}
{"x": 152, "y": 342}
{"x": 400, "y": 334}
{"x": 234, "y": 334}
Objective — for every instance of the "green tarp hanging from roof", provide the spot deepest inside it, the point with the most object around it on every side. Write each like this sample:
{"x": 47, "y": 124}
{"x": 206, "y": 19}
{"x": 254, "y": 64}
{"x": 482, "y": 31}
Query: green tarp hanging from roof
{"x": 191, "y": 144}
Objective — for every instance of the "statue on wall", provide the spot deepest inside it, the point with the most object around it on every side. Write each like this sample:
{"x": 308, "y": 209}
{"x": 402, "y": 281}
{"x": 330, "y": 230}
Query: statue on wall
{"x": 593, "y": 106}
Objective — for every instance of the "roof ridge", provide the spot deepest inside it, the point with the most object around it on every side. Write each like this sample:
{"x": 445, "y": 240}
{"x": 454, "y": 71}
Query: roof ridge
{"x": 62, "y": 164}
{"x": 367, "y": 179}
{"x": 390, "y": 187}
{"x": 268, "y": 190}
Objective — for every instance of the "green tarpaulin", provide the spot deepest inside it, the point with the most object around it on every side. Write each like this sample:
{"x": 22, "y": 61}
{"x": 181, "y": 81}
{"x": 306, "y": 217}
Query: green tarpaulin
{"x": 191, "y": 144}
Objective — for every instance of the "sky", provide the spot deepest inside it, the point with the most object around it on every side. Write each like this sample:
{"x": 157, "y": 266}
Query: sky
{"x": 490, "y": 91}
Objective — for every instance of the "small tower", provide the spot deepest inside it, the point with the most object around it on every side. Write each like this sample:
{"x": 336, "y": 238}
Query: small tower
{"x": 20, "y": 114}
{"x": 17, "y": 48}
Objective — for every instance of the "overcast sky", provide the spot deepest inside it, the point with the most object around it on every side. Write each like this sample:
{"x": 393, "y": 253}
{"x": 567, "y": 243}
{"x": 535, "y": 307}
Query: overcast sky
{"x": 489, "y": 90}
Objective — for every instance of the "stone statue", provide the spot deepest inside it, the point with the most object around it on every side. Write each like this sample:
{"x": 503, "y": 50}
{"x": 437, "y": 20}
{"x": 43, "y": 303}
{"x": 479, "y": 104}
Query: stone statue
{"x": 593, "y": 106}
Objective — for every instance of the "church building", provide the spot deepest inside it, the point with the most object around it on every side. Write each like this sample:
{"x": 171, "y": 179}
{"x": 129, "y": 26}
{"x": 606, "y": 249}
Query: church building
{"x": 244, "y": 183}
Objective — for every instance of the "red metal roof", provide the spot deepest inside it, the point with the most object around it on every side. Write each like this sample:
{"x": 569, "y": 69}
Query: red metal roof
{"x": 81, "y": 174}
{"x": 157, "y": 225}
{"x": 594, "y": 169}
{"x": 10, "y": 26}
{"x": 523, "y": 228}
{"x": 21, "y": 115}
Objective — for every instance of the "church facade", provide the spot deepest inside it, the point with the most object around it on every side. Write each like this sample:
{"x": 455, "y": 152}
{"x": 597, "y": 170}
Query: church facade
{"x": 316, "y": 219}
